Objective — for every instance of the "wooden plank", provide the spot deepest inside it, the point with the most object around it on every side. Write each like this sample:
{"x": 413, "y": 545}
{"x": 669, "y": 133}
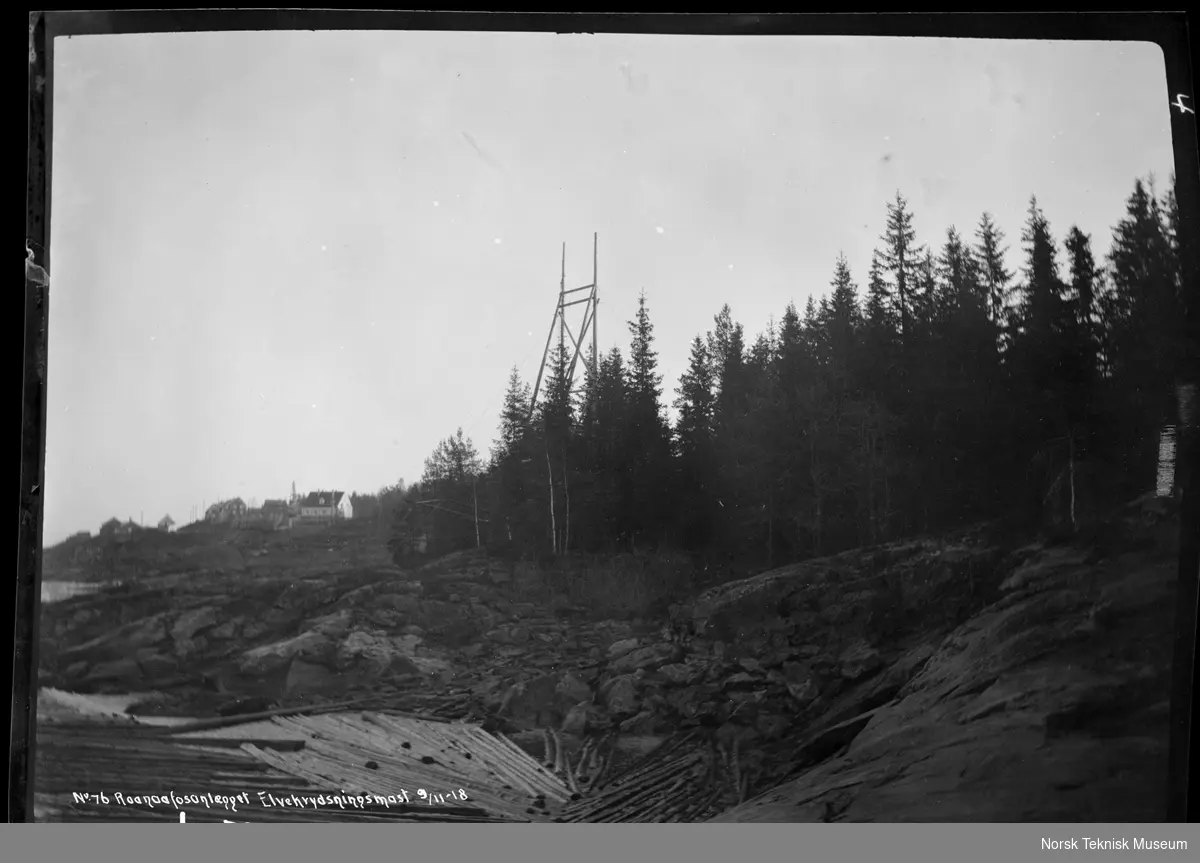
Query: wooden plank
{"x": 227, "y": 721}
{"x": 238, "y": 742}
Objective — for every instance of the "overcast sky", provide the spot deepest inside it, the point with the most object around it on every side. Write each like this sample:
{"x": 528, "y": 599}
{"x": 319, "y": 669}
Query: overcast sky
{"x": 295, "y": 256}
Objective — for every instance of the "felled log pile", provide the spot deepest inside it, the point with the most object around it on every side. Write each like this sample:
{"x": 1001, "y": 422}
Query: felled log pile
{"x": 430, "y": 762}
{"x": 689, "y": 778}
{"x": 104, "y": 759}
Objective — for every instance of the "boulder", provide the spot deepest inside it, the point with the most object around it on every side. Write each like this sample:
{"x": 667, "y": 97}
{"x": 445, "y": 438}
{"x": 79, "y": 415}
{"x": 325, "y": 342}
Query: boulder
{"x": 196, "y": 620}
{"x": 571, "y": 688}
{"x": 802, "y": 682}
{"x": 619, "y": 648}
{"x": 681, "y": 673}
{"x": 859, "y": 660}
{"x": 534, "y": 703}
{"x": 644, "y": 723}
{"x": 581, "y": 718}
{"x": 189, "y": 647}
{"x": 406, "y": 603}
{"x": 435, "y": 612}
{"x": 509, "y": 635}
{"x": 458, "y": 633}
{"x": 772, "y": 726}
{"x": 647, "y": 658}
{"x": 620, "y": 695}
{"x": 155, "y": 665}
{"x": 254, "y": 629}
{"x": 373, "y": 648}
{"x": 333, "y": 626}
{"x": 742, "y": 681}
{"x": 228, "y": 629}
{"x": 307, "y": 677}
{"x": 499, "y": 575}
{"x": 691, "y": 702}
{"x": 312, "y": 646}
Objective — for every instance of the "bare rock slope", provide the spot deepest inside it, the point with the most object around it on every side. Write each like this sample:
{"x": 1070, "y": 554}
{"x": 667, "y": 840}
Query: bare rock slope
{"x": 949, "y": 678}
{"x": 1049, "y": 704}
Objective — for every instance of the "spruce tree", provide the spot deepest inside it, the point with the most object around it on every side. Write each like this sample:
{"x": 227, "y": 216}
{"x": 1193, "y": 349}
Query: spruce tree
{"x": 901, "y": 258}
{"x": 647, "y": 439}
{"x": 695, "y": 403}
{"x": 995, "y": 278}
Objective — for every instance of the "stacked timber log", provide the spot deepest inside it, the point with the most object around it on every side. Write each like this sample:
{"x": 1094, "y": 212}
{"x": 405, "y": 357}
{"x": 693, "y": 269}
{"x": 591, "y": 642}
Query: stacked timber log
{"x": 81, "y": 767}
{"x": 429, "y": 761}
{"x": 686, "y": 779}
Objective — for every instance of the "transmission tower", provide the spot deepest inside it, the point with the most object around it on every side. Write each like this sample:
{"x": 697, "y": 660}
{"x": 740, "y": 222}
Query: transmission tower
{"x": 590, "y": 304}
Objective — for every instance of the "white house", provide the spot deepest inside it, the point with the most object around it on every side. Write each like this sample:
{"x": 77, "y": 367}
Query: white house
{"x": 326, "y": 506}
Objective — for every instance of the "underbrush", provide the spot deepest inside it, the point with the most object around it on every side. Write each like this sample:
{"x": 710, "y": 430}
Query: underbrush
{"x": 624, "y": 586}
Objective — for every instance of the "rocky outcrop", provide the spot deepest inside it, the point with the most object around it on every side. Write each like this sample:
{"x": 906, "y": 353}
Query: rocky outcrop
{"x": 1049, "y": 705}
{"x": 853, "y": 684}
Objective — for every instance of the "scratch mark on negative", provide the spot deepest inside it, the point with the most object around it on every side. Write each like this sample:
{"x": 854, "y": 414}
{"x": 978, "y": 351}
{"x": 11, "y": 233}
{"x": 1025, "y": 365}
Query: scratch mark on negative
{"x": 486, "y": 158}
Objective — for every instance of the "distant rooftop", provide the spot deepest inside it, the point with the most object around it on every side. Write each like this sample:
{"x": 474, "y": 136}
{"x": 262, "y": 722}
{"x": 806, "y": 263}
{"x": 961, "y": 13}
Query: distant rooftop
{"x": 323, "y": 498}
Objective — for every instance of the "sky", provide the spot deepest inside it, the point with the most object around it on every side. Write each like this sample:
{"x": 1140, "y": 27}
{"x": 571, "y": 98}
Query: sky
{"x": 306, "y": 257}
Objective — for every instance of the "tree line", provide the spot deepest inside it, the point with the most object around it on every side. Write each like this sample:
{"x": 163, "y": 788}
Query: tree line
{"x": 947, "y": 388}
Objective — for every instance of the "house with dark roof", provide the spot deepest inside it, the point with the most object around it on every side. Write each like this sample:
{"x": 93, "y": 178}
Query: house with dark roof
{"x": 167, "y": 523}
{"x": 326, "y": 506}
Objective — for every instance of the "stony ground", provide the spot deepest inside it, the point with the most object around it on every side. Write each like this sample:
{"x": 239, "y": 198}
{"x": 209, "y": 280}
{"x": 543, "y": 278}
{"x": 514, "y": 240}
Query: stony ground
{"x": 945, "y": 679}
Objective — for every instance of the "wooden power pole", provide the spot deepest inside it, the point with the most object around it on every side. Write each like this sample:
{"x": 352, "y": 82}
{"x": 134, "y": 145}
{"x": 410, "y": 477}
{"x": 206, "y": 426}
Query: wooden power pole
{"x": 591, "y": 302}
